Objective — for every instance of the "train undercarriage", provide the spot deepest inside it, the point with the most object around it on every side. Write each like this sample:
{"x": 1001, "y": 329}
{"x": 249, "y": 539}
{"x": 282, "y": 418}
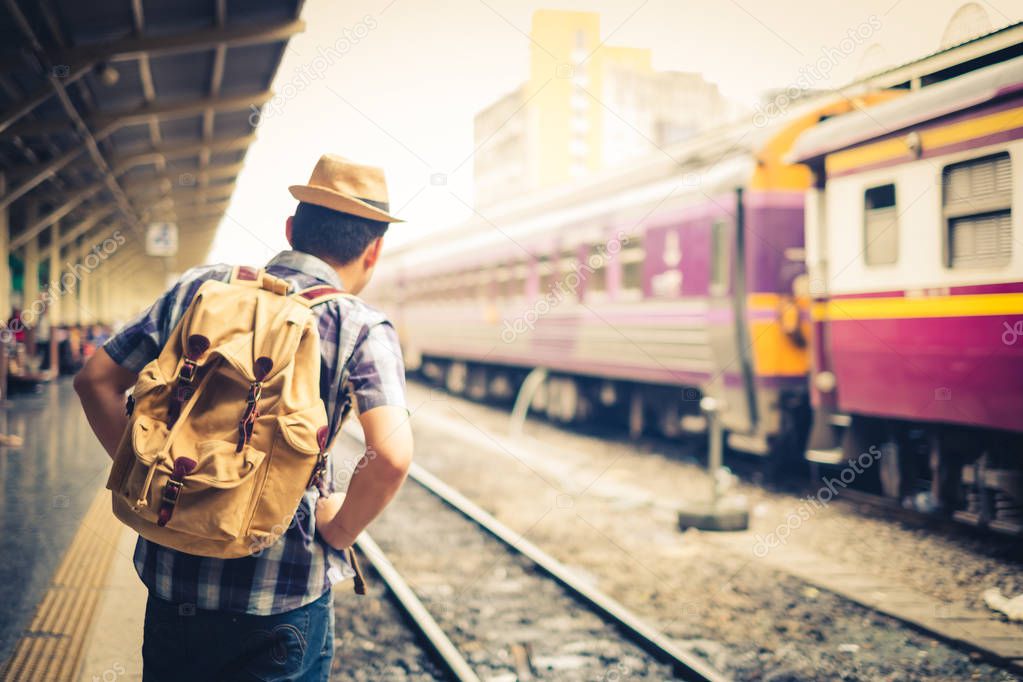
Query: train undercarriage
{"x": 968, "y": 474}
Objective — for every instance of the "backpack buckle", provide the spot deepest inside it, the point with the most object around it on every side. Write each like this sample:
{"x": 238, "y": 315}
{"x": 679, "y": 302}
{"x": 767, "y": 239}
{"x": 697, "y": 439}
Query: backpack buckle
{"x": 183, "y": 389}
{"x": 188, "y": 370}
{"x": 172, "y": 490}
{"x": 248, "y": 419}
{"x": 171, "y": 493}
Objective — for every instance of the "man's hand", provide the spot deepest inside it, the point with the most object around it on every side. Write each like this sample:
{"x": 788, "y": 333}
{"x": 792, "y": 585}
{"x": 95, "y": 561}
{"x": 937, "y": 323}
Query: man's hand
{"x": 326, "y": 510}
{"x": 101, "y": 385}
{"x": 376, "y": 479}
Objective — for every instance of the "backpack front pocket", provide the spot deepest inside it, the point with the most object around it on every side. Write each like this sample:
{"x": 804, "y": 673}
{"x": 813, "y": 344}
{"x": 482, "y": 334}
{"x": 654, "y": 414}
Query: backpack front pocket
{"x": 211, "y": 493}
{"x": 293, "y": 457}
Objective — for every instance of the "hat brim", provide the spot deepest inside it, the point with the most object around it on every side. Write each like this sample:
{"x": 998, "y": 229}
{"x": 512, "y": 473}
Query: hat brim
{"x": 344, "y": 203}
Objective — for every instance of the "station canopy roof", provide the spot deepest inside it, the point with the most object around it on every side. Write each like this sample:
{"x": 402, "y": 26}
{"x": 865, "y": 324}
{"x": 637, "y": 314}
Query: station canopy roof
{"x": 121, "y": 113}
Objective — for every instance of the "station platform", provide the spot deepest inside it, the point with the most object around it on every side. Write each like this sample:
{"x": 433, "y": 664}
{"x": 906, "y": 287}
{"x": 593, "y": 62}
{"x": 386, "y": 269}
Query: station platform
{"x": 71, "y": 606}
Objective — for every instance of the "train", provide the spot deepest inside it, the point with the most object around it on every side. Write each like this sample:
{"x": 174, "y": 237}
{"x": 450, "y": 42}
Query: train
{"x": 754, "y": 265}
{"x": 915, "y": 257}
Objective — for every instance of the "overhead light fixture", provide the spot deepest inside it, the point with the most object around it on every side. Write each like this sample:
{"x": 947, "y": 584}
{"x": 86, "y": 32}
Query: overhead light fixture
{"x": 108, "y": 75}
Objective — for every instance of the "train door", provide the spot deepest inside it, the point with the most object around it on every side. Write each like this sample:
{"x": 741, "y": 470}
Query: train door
{"x": 732, "y": 377}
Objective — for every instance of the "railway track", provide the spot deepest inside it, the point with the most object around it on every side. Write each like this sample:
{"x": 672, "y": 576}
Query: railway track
{"x": 612, "y": 618}
{"x": 965, "y": 626}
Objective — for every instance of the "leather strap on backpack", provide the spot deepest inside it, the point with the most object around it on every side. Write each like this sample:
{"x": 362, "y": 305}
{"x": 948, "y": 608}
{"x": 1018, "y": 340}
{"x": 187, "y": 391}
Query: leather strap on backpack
{"x": 321, "y": 293}
{"x": 312, "y": 297}
{"x": 245, "y": 275}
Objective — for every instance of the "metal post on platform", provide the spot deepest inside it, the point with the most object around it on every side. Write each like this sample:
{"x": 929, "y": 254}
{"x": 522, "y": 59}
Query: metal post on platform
{"x": 30, "y": 283}
{"x": 532, "y": 383}
{"x": 717, "y": 512}
{"x": 5, "y": 270}
{"x": 54, "y": 303}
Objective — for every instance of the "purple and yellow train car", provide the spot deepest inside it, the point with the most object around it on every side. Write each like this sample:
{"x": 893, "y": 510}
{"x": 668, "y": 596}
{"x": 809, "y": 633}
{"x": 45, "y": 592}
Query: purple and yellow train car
{"x": 640, "y": 291}
{"x": 915, "y": 244}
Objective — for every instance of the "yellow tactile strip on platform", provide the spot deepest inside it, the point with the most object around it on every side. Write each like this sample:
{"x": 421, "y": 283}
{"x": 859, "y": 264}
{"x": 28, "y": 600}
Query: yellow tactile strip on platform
{"x": 51, "y": 648}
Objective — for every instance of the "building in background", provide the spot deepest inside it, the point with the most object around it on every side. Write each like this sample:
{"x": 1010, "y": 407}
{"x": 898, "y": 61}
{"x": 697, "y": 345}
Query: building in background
{"x": 586, "y": 106}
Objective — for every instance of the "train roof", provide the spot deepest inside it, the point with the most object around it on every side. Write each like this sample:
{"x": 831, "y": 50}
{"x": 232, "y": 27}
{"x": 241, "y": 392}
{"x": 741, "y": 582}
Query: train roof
{"x": 964, "y": 92}
{"x": 948, "y": 62}
{"x": 672, "y": 161}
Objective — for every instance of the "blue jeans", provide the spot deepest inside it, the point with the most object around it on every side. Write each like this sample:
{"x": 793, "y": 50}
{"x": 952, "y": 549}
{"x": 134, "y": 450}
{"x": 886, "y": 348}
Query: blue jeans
{"x": 185, "y": 643}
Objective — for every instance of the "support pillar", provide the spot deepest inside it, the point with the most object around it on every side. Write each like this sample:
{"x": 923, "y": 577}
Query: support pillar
{"x": 55, "y": 298}
{"x": 5, "y": 283}
{"x": 85, "y": 313}
{"x": 5, "y": 267}
{"x": 31, "y": 308}
{"x": 102, "y": 297}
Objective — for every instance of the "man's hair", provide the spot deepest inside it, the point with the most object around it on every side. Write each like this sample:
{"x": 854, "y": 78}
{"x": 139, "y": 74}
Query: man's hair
{"x": 338, "y": 238}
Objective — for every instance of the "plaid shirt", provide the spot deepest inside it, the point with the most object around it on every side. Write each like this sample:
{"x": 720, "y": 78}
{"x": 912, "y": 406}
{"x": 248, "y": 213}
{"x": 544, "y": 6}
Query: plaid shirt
{"x": 299, "y": 567}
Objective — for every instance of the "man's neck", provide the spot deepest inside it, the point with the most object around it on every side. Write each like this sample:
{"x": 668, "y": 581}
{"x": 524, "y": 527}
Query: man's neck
{"x": 350, "y": 276}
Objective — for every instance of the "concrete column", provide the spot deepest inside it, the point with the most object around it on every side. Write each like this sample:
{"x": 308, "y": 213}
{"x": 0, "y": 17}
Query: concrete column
{"x": 55, "y": 270}
{"x": 85, "y": 313}
{"x": 5, "y": 268}
{"x": 31, "y": 307}
{"x": 31, "y": 282}
{"x": 69, "y": 307}
{"x": 102, "y": 293}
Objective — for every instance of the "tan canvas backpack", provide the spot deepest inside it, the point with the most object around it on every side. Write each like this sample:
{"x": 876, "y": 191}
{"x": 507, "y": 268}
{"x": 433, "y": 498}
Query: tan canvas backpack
{"x": 227, "y": 429}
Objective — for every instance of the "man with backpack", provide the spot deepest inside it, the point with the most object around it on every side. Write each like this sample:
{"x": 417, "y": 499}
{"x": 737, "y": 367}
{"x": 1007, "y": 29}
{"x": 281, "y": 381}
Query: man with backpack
{"x": 242, "y": 377}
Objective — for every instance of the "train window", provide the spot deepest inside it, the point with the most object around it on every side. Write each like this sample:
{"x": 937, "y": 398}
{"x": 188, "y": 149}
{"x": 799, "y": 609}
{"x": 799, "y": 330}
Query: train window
{"x": 547, "y": 273}
{"x": 977, "y": 204}
{"x": 719, "y": 256}
{"x": 632, "y": 265}
{"x": 595, "y": 268}
{"x": 482, "y": 283}
{"x": 501, "y": 277}
{"x": 880, "y": 226}
{"x": 517, "y": 281}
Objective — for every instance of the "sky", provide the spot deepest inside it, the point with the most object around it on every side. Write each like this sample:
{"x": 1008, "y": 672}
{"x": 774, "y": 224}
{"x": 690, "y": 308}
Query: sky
{"x": 396, "y": 84}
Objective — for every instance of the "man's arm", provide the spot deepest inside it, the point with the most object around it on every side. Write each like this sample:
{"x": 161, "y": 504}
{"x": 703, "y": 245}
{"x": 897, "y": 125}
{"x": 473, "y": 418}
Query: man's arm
{"x": 100, "y": 386}
{"x": 377, "y": 478}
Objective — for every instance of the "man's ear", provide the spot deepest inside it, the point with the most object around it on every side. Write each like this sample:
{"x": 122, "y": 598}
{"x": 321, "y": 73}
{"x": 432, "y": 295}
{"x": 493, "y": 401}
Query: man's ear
{"x": 372, "y": 253}
{"x": 287, "y": 230}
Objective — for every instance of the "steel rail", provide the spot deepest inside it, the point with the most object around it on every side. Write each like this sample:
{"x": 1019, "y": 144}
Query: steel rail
{"x": 654, "y": 642}
{"x": 444, "y": 649}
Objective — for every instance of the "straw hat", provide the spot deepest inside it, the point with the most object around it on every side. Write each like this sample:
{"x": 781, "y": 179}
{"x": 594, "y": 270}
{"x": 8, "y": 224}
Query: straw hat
{"x": 348, "y": 187}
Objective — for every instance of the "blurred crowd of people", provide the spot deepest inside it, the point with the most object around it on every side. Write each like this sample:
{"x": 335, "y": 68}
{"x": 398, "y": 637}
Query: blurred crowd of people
{"x": 32, "y": 354}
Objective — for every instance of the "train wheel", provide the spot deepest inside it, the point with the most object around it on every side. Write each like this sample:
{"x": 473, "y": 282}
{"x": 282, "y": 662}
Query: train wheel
{"x": 636, "y": 409}
{"x": 890, "y": 470}
{"x": 669, "y": 420}
{"x": 476, "y": 383}
{"x": 568, "y": 399}
{"x": 456, "y": 377}
{"x": 541, "y": 397}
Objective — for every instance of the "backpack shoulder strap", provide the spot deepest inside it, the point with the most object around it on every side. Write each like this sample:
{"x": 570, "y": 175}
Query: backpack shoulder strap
{"x": 258, "y": 278}
{"x": 246, "y": 275}
{"x": 321, "y": 293}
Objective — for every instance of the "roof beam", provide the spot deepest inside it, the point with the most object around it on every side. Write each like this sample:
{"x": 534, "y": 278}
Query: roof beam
{"x": 216, "y": 81}
{"x": 193, "y": 219}
{"x": 32, "y": 175}
{"x": 87, "y": 224}
{"x": 41, "y": 223}
{"x": 215, "y": 146}
{"x": 177, "y": 43}
{"x": 232, "y": 36}
{"x": 107, "y": 124}
{"x": 221, "y": 171}
{"x": 39, "y": 174}
{"x": 40, "y": 95}
{"x": 187, "y": 192}
{"x": 79, "y": 125}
